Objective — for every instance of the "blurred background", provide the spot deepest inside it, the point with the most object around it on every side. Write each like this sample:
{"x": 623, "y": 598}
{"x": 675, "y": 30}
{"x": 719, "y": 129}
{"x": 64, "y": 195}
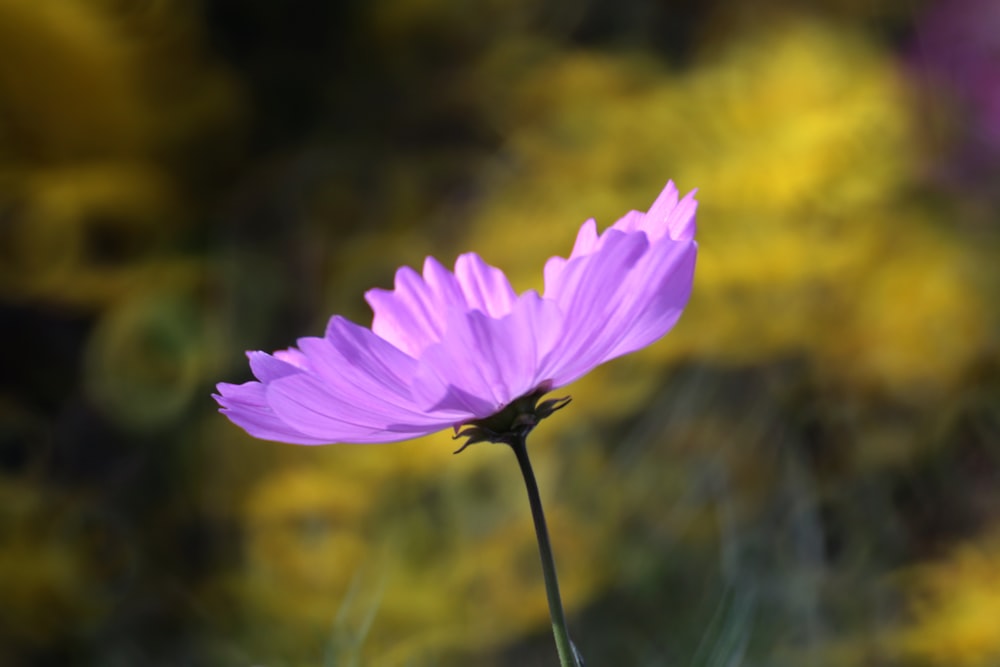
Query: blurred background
{"x": 803, "y": 473}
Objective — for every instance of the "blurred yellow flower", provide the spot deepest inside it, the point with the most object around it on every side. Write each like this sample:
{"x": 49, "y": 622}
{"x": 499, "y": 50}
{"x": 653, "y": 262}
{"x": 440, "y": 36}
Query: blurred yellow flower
{"x": 800, "y": 136}
{"x": 955, "y": 604}
{"x": 67, "y": 84}
{"x": 449, "y": 573}
{"x": 96, "y": 105}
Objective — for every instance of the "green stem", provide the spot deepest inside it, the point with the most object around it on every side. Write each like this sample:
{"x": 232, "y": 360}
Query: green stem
{"x": 568, "y": 656}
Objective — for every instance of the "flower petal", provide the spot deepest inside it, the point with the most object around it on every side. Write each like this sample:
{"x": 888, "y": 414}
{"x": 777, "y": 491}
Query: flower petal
{"x": 411, "y": 316}
{"x": 587, "y": 239}
{"x": 657, "y": 292}
{"x": 587, "y": 242}
{"x": 484, "y": 363}
{"x": 587, "y": 291}
{"x": 268, "y": 367}
{"x": 446, "y": 347}
{"x": 354, "y": 362}
{"x": 313, "y": 407}
{"x": 679, "y": 217}
{"x": 485, "y": 287}
{"x": 628, "y": 290}
{"x": 630, "y": 222}
{"x": 553, "y": 267}
{"x": 354, "y": 389}
{"x": 246, "y": 406}
{"x": 660, "y": 210}
{"x": 358, "y": 385}
{"x": 293, "y": 357}
{"x": 666, "y": 217}
{"x": 636, "y": 305}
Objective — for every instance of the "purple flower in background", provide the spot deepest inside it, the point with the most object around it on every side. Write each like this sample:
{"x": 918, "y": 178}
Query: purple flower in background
{"x": 956, "y": 51}
{"x": 447, "y": 348}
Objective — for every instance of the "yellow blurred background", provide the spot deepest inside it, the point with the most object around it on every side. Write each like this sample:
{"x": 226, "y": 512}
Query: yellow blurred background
{"x": 804, "y": 472}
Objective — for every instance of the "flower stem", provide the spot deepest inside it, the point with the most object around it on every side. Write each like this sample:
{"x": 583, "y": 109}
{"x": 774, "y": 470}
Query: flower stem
{"x": 568, "y": 656}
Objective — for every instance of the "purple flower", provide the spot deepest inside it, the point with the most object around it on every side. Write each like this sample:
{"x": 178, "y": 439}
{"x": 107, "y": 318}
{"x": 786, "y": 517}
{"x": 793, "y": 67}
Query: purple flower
{"x": 447, "y": 348}
{"x": 956, "y": 51}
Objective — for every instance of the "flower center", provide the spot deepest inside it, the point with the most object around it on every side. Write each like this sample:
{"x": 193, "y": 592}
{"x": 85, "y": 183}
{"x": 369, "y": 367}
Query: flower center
{"x": 514, "y": 422}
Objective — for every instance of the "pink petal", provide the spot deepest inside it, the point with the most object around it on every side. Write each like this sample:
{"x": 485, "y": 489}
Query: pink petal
{"x": 681, "y": 221}
{"x": 446, "y": 347}
{"x": 667, "y": 218}
{"x": 630, "y": 222}
{"x": 313, "y": 407}
{"x": 358, "y": 386}
{"x": 587, "y": 239}
{"x": 655, "y": 295}
{"x": 354, "y": 362}
{"x": 293, "y": 357}
{"x": 411, "y": 316}
{"x": 628, "y": 290}
{"x": 662, "y": 208}
{"x": 553, "y": 267}
{"x": 266, "y": 367}
{"x": 485, "y": 287}
{"x": 588, "y": 292}
{"x": 483, "y": 363}
{"x": 246, "y": 406}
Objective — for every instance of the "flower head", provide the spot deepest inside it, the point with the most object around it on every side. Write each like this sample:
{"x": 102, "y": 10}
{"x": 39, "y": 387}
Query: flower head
{"x": 448, "y": 348}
